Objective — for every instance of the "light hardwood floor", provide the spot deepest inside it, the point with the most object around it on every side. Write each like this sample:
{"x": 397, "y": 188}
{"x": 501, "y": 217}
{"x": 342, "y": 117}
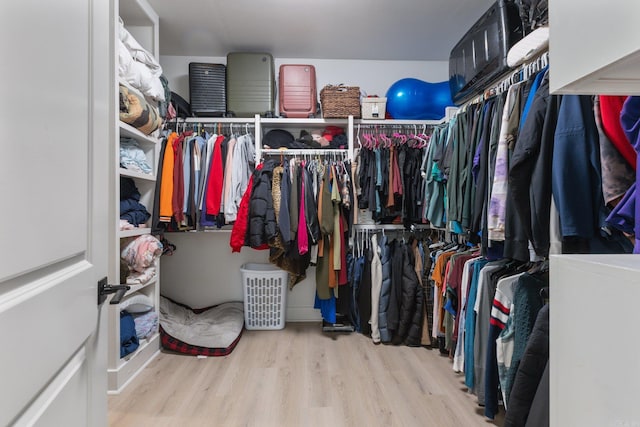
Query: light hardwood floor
{"x": 300, "y": 376}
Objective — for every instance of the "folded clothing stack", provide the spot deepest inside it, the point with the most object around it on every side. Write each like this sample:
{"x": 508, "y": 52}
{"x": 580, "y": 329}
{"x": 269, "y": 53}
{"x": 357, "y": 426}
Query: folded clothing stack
{"x": 130, "y": 207}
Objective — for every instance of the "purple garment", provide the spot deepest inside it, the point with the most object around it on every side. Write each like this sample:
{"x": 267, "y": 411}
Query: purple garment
{"x": 475, "y": 169}
{"x": 622, "y": 216}
{"x": 630, "y": 121}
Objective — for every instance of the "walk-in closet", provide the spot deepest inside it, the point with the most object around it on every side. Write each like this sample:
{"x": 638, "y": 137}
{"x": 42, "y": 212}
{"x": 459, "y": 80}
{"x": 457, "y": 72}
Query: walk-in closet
{"x": 320, "y": 214}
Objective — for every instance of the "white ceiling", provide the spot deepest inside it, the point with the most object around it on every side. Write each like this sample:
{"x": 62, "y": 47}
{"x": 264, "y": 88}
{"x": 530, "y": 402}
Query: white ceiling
{"x": 421, "y": 30}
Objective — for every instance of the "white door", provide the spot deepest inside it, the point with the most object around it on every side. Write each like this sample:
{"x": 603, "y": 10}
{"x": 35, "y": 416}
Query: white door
{"x": 55, "y": 112}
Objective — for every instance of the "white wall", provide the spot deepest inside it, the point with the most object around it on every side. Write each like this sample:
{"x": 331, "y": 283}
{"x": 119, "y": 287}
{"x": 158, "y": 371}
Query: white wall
{"x": 373, "y": 77}
{"x": 203, "y": 271}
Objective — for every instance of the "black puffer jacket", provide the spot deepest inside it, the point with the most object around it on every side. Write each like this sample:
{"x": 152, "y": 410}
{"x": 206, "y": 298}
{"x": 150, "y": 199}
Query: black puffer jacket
{"x": 385, "y": 290}
{"x": 395, "y": 294}
{"x": 408, "y": 303}
{"x": 414, "y": 336}
{"x": 262, "y": 217}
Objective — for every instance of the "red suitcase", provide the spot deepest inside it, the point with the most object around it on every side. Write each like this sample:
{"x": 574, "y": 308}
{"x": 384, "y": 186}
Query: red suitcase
{"x": 297, "y": 91}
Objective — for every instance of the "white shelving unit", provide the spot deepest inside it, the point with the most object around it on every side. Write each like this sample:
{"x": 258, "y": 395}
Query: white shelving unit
{"x": 142, "y": 22}
{"x": 263, "y": 125}
{"x": 134, "y": 233}
{"x": 603, "y": 60}
{"x": 351, "y": 126}
{"x": 295, "y": 126}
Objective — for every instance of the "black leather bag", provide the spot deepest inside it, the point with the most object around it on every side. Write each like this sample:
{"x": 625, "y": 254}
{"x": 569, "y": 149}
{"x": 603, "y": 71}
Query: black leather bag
{"x": 182, "y": 107}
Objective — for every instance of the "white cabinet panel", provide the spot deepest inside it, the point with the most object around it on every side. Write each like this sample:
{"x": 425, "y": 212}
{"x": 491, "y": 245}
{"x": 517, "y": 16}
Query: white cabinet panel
{"x": 594, "y": 47}
{"x": 594, "y": 350}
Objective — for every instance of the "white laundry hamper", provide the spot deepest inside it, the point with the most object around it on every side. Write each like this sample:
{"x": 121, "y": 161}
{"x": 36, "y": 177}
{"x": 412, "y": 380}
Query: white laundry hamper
{"x": 265, "y": 296}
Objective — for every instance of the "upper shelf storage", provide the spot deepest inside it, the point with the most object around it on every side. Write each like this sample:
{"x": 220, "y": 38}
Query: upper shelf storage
{"x": 142, "y": 22}
{"x": 284, "y": 122}
{"x": 263, "y": 125}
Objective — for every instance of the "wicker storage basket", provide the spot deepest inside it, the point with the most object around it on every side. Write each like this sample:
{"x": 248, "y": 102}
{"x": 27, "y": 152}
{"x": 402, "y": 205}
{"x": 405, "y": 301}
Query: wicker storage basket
{"x": 340, "y": 102}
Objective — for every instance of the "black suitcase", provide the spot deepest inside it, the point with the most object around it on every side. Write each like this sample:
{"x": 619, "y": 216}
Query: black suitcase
{"x": 207, "y": 89}
{"x": 481, "y": 55}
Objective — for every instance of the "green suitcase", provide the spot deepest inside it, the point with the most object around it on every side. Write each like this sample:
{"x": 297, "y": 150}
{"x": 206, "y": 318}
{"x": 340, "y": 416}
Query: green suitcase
{"x": 251, "y": 85}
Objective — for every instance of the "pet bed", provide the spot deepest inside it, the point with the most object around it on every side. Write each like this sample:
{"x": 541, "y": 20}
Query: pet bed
{"x": 213, "y": 331}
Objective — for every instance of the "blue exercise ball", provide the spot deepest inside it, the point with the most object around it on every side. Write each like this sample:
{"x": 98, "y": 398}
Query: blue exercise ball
{"x": 413, "y": 99}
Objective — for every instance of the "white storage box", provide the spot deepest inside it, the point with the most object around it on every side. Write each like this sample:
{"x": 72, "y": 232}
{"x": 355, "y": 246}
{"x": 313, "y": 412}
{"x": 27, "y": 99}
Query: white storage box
{"x": 374, "y": 108}
{"x": 265, "y": 296}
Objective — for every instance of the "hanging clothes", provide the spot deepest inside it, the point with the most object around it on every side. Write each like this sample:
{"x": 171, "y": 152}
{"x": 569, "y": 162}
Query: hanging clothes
{"x": 202, "y": 179}
{"x": 390, "y": 176}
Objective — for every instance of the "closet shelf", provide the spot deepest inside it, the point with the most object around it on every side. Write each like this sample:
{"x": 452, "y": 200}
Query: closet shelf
{"x": 138, "y": 175}
{"x": 238, "y": 120}
{"x": 304, "y": 122}
{"x": 136, "y": 288}
{"x": 224, "y": 229}
{"x": 135, "y": 232}
{"x": 302, "y": 151}
{"x": 391, "y": 227}
{"x": 143, "y": 344}
{"x": 391, "y": 122}
{"x": 131, "y": 132}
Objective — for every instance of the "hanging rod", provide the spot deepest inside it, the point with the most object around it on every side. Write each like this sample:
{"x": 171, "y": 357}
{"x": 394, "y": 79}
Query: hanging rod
{"x": 521, "y": 73}
{"x": 211, "y": 124}
{"x": 399, "y": 227}
{"x": 304, "y": 151}
{"x": 395, "y": 123}
{"x": 224, "y": 120}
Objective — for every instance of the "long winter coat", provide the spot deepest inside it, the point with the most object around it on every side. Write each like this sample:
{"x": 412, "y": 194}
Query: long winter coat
{"x": 410, "y": 313}
{"x": 414, "y": 335}
{"x": 385, "y": 290}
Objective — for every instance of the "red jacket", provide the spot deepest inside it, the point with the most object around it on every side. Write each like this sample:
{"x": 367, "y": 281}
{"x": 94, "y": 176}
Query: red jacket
{"x": 610, "y": 108}
{"x": 239, "y": 230}
{"x": 215, "y": 179}
{"x": 240, "y": 227}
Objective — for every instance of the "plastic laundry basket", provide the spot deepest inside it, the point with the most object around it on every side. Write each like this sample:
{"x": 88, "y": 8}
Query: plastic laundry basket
{"x": 265, "y": 296}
